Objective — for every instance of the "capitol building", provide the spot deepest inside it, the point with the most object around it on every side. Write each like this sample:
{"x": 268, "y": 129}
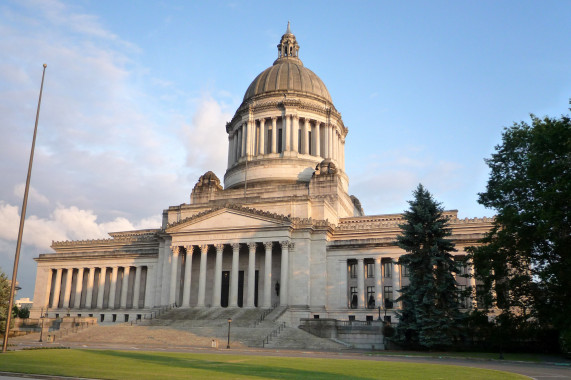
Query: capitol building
{"x": 280, "y": 229}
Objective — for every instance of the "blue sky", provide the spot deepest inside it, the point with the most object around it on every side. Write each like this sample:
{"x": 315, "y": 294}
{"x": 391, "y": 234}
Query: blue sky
{"x": 137, "y": 95}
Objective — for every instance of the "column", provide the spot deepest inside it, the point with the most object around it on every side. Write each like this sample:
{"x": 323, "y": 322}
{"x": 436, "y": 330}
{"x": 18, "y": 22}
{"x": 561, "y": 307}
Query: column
{"x": 202, "y": 276}
{"x": 234, "y": 275}
{"x": 262, "y": 150}
{"x": 243, "y": 147}
{"x": 287, "y": 133}
{"x": 137, "y": 287}
{"x": 284, "y": 273}
{"x": 57, "y": 289}
{"x": 149, "y": 293}
{"x": 230, "y": 151}
{"x": 268, "y": 275}
{"x": 317, "y": 139}
{"x": 101, "y": 290}
{"x": 78, "y": 289}
{"x": 67, "y": 290}
{"x": 472, "y": 284}
{"x": 89, "y": 292}
{"x": 187, "y": 276}
{"x": 113, "y": 288}
{"x": 251, "y": 137}
{"x": 274, "y": 134}
{"x": 125, "y": 287}
{"x": 174, "y": 263}
{"x": 344, "y": 297}
{"x": 295, "y": 134}
{"x": 48, "y": 289}
{"x": 396, "y": 282}
{"x": 361, "y": 283}
{"x": 378, "y": 282}
{"x": 217, "y": 276}
{"x": 305, "y": 136}
{"x": 251, "y": 274}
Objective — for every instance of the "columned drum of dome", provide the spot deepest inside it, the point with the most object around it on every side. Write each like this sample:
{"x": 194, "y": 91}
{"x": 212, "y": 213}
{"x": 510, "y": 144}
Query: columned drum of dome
{"x": 286, "y": 125}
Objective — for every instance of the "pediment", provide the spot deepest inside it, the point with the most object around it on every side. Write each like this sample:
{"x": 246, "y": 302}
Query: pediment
{"x": 229, "y": 219}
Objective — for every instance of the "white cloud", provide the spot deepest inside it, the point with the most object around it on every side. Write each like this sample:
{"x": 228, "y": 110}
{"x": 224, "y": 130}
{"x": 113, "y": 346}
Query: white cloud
{"x": 33, "y": 195}
{"x": 65, "y": 223}
{"x": 205, "y": 137}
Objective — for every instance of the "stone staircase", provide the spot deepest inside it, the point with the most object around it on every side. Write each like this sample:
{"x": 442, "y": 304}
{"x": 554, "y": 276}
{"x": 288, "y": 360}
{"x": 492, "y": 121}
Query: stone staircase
{"x": 249, "y": 327}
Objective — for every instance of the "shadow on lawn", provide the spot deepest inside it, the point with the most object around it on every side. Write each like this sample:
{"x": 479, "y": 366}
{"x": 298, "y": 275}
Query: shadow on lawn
{"x": 225, "y": 367}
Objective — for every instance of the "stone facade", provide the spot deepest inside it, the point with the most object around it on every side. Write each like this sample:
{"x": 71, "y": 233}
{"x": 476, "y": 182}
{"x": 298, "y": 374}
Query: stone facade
{"x": 282, "y": 231}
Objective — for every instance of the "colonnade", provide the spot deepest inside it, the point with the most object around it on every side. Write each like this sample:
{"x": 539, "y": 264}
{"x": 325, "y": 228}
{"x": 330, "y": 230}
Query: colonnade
{"x": 116, "y": 287}
{"x": 383, "y": 282}
{"x": 376, "y": 283}
{"x": 216, "y": 282}
{"x": 258, "y": 137}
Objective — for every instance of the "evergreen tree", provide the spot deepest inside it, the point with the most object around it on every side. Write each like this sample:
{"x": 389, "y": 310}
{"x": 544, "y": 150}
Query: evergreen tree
{"x": 430, "y": 316}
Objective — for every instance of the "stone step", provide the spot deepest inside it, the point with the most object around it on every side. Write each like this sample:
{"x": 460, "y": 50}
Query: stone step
{"x": 294, "y": 338}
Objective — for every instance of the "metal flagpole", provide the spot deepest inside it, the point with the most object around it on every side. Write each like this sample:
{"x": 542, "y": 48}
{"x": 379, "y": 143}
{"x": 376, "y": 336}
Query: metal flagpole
{"x": 22, "y": 217}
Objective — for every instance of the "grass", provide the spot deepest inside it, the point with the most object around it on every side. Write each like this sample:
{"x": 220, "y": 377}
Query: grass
{"x": 533, "y": 358}
{"x": 151, "y": 365}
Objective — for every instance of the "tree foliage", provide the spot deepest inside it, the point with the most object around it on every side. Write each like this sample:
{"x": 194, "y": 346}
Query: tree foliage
{"x": 526, "y": 257}
{"x": 4, "y": 298}
{"x": 430, "y": 314}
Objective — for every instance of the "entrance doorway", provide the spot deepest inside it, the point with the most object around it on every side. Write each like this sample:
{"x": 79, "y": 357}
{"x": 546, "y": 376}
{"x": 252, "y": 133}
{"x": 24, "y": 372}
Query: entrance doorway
{"x": 241, "y": 288}
{"x": 256, "y": 288}
{"x": 225, "y": 288}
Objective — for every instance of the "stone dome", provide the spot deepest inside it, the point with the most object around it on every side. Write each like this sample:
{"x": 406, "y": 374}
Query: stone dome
{"x": 288, "y": 74}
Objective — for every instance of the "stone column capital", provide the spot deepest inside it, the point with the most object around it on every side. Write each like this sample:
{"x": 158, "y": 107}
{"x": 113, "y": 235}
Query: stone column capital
{"x": 252, "y": 246}
{"x": 274, "y": 118}
{"x": 189, "y": 249}
{"x": 268, "y": 244}
{"x": 284, "y": 244}
{"x": 175, "y": 249}
{"x": 203, "y": 248}
{"x": 235, "y": 246}
{"x": 219, "y": 247}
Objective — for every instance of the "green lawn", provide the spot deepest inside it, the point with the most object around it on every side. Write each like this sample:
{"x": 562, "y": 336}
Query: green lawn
{"x": 152, "y": 365}
{"x": 534, "y": 358}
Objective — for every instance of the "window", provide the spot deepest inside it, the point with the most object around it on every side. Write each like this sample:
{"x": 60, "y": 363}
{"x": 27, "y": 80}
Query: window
{"x": 462, "y": 299}
{"x": 280, "y": 140}
{"x": 388, "y": 295}
{"x": 462, "y": 267}
{"x": 298, "y": 148}
{"x": 405, "y": 271}
{"x": 371, "y": 297}
{"x": 387, "y": 269}
{"x": 370, "y": 267}
{"x": 353, "y": 269}
{"x": 309, "y": 142}
{"x": 269, "y": 142}
{"x": 481, "y": 296}
{"x": 354, "y": 299}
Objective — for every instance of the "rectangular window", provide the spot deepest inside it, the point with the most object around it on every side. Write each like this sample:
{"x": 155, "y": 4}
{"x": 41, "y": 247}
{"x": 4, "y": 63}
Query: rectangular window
{"x": 354, "y": 299}
{"x": 370, "y": 270}
{"x": 371, "y": 297}
{"x": 269, "y": 142}
{"x": 462, "y": 299}
{"x": 280, "y": 141}
{"x": 481, "y": 296}
{"x": 388, "y": 295}
{"x": 298, "y": 141}
{"x": 387, "y": 269}
{"x": 405, "y": 271}
{"x": 309, "y": 142}
{"x": 353, "y": 270}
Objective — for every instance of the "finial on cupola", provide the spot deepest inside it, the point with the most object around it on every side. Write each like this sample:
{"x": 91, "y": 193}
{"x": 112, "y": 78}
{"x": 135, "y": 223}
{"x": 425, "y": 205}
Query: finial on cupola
{"x": 288, "y": 31}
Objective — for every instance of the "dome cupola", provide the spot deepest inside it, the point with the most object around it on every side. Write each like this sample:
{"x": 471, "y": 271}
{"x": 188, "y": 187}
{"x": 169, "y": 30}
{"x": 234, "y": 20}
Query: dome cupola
{"x": 286, "y": 125}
